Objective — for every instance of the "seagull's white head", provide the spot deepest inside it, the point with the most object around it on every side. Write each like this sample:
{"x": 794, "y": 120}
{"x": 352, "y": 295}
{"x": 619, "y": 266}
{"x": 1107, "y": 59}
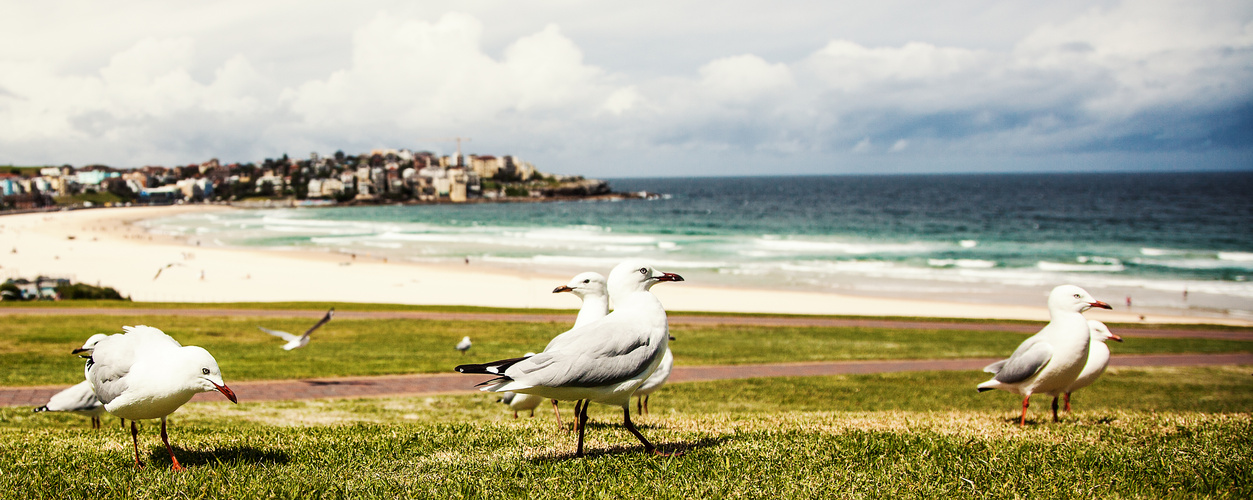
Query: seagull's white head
{"x": 202, "y": 373}
{"x": 90, "y": 344}
{"x": 585, "y": 285}
{"x": 1100, "y": 332}
{"x": 1070, "y": 298}
{"x": 636, "y": 276}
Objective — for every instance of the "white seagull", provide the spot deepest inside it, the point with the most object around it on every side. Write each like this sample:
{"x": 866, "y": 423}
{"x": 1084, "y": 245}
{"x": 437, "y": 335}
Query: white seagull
{"x": 298, "y": 341}
{"x": 607, "y": 359}
{"x": 1049, "y": 361}
{"x": 145, "y": 374}
{"x": 464, "y": 345}
{"x": 654, "y": 382}
{"x": 1098, "y": 358}
{"x": 520, "y": 402}
{"x": 592, "y": 289}
{"x": 78, "y": 399}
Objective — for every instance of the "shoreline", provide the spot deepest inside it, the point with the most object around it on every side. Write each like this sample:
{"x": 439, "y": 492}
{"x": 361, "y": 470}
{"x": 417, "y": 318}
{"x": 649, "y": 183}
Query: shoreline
{"x": 106, "y": 247}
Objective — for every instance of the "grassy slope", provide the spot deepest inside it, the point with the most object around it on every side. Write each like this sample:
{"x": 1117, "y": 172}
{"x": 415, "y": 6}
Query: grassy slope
{"x": 1151, "y": 433}
{"x": 35, "y": 349}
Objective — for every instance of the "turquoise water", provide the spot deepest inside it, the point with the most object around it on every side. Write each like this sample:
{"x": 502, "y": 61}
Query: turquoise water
{"x": 976, "y": 238}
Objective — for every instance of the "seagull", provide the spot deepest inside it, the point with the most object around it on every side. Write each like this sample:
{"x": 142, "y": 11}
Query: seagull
{"x": 607, "y": 359}
{"x": 520, "y": 402}
{"x": 464, "y": 345}
{"x": 145, "y": 374}
{"x": 654, "y": 382}
{"x": 167, "y": 266}
{"x": 1098, "y": 358}
{"x": 1049, "y": 361}
{"x": 296, "y": 342}
{"x": 77, "y": 399}
{"x": 591, "y": 288}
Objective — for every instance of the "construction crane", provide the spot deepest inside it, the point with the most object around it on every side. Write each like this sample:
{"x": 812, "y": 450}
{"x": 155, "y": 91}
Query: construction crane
{"x": 458, "y": 139}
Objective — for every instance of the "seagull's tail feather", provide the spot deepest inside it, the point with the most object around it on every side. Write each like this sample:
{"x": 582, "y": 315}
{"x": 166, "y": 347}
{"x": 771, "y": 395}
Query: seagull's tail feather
{"x": 995, "y": 368}
{"x": 492, "y": 368}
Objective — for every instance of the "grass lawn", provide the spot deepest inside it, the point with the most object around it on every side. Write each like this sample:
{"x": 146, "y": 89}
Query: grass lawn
{"x": 35, "y": 350}
{"x": 1137, "y": 433}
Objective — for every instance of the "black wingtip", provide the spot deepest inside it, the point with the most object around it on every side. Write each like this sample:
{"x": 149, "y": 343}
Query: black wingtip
{"x": 984, "y": 389}
{"x": 41, "y": 408}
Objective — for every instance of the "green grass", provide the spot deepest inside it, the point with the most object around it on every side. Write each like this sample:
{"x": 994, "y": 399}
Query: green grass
{"x": 36, "y": 349}
{"x": 1137, "y": 433}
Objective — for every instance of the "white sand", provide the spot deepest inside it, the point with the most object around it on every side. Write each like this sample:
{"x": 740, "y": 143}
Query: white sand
{"x": 108, "y": 250}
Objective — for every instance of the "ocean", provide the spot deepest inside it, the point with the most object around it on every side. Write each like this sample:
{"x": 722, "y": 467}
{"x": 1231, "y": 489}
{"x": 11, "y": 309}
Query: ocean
{"x": 1177, "y": 243}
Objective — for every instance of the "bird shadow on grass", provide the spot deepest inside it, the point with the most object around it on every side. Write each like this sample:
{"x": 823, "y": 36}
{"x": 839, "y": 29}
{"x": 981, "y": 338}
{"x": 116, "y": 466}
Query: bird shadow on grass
{"x": 672, "y": 448}
{"x": 237, "y": 454}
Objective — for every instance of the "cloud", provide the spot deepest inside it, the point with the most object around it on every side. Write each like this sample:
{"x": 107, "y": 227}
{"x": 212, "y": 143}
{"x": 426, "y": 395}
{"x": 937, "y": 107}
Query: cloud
{"x": 1144, "y": 76}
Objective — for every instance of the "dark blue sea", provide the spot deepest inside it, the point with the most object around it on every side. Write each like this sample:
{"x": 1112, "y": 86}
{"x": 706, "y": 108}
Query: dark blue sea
{"x": 1178, "y": 242}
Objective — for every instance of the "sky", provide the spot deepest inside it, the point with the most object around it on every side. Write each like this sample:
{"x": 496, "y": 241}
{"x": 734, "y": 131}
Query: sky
{"x": 637, "y": 89}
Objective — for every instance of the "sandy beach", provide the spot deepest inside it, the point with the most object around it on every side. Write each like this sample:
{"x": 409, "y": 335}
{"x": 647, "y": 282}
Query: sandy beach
{"x": 105, "y": 247}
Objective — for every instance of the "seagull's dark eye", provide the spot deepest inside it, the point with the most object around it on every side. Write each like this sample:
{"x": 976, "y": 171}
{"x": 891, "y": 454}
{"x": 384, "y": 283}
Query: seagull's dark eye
{"x": 1077, "y": 296}
{"x": 587, "y": 281}
{"x": 204, "y": 371}
{"x": 644, "y": 271}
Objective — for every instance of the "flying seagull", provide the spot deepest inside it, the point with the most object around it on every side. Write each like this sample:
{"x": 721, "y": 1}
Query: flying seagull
{"x": 167, "y": 266}
{"x": 294, "y": 341}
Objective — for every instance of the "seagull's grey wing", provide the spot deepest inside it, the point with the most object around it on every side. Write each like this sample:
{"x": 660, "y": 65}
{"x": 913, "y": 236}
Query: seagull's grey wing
{"x": 109, "y": 363}
{"x": 612, "y": 351}
{"x": 1022, "y": 366}
{"x": 78, "y": 397}
{"x": 320, "y": 322}
{"x": 508, "y": 397}
{"x": 283, "y": 335}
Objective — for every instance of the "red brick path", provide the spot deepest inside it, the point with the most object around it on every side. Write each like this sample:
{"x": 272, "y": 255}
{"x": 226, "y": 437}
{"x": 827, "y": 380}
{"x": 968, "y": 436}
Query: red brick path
{"x": 416, "y": 385}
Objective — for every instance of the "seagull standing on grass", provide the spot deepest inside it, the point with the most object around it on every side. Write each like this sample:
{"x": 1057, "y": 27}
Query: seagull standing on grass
{"x": 654, "y": 382}
{"x": 294, "y": 341}
{"x": 1098, "y": 358}
{"x": 1050, "y": 361}
{"x": 77, "y": 399}
{"x": 605, "y": 361}
{"x": 464, "y": 345}
{"x": 591, "y": 288}
{"x": 145, "y": 374}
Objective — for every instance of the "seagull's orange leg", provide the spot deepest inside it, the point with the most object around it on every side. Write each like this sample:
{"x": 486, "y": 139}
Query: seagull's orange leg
{"x": 560, "y": 426}
{"x": 166, "y": 439}
{"x": 1067, "y": 402}
{"x": 1025, "y": 404}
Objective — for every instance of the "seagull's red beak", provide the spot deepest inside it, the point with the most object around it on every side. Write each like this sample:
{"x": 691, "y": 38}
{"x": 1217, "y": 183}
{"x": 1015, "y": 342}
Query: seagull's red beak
{"x": 1100, "y": 304}
{"x": 1115, "y": 338}
{"x": 669, "y": 277}
{"x": 562, "y": 288}
{"x": 226, "y": 391}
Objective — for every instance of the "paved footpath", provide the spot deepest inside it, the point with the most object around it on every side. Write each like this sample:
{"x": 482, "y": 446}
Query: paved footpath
{"x": 454, "y": 383}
